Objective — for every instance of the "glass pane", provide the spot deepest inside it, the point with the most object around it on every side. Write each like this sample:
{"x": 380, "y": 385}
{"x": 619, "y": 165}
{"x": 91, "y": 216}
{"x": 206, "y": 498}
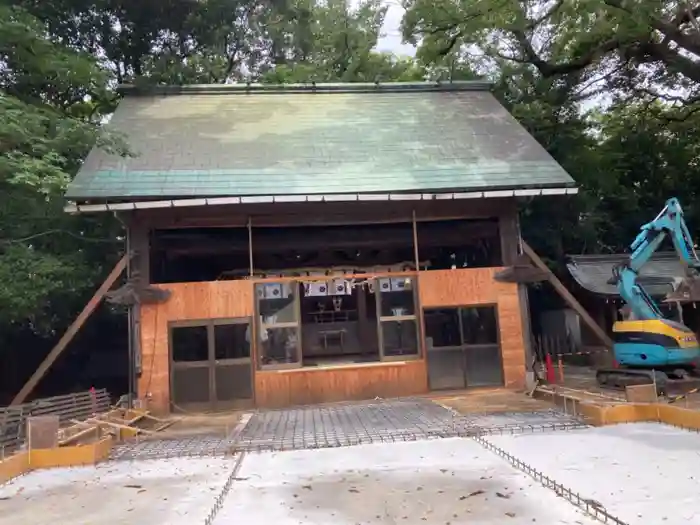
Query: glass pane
{"x": 442, "y": 328}
{"x": 396, "y": 296}
{"x": 446, "y": 369}
{"x": 276, "y": 302}
{"x": 189, "y": 343}
{"x": 279, "y": 345}
{"x": 399, "y": 338}
{"x": 233, "y": 382}
{"x": 191, "y": 385}
{"x": 479, "y": 326}
{"x": 483, "y": 366}
{"x": 231, "y": 341}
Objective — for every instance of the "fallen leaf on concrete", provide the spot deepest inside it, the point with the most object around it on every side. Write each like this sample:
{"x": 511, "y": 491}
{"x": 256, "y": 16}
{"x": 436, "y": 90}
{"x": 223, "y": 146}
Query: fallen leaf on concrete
{"x": 475, "y": 493}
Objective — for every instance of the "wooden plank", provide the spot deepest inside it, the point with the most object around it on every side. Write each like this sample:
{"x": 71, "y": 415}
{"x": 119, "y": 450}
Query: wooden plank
{"x": 284, "y": 388}
{"x": 119, "y": 426}
{"x": 568, "y": 297}
{"x": 70, "y": 333}
{"x": 87, "y": 431}
{"x": 474, "y": 287}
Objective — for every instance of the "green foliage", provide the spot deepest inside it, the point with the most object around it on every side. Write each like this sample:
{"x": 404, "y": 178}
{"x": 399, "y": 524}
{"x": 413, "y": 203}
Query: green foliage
{"x": 547, "y": 58}
{"x": 48, "y": 123}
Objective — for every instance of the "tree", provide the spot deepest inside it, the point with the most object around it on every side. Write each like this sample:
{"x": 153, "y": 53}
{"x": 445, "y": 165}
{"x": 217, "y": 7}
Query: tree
{"x": 335, "y": 42}
{"x": 648, "y": 47}
{"x": 49, "y": 120}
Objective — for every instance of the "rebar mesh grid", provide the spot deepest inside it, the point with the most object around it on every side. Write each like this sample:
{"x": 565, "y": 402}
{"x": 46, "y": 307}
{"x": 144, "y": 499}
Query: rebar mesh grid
{"x": 196, "y": 446}
{"x": 348, "y": 424}
{"x": 591, "y": 507}
{"x": 386, "y": 421}
{"x": 224, "y": 491}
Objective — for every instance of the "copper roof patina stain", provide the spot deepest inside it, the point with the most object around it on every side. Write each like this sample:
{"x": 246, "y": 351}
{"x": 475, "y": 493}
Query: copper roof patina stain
{"x": 217, "y": 141}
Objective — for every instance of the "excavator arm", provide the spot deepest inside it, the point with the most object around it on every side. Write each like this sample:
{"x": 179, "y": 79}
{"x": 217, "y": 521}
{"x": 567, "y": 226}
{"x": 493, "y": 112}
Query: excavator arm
{"x": 668, "y": 223}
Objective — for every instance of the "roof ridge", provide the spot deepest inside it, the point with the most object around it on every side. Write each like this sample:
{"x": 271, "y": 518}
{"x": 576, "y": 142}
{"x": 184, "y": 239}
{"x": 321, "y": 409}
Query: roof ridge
{"x": 311, "y": 87}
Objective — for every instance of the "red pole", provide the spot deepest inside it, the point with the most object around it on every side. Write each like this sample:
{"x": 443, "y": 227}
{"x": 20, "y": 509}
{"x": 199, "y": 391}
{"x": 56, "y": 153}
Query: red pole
{"x": 549, "y": 366}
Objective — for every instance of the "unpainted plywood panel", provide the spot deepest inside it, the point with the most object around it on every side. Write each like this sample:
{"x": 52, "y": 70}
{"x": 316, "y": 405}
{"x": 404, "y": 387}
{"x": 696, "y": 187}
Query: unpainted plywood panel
{"x": 188, "y": 301}
{"x": 476, "y": 286}
{"x": 283, "y": 388}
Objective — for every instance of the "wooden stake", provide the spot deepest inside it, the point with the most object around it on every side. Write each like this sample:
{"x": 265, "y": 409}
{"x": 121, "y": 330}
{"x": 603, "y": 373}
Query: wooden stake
{"x": 70, "y": 333}
{"x": 560, "y": 365}
{"x": 566, "y": 295}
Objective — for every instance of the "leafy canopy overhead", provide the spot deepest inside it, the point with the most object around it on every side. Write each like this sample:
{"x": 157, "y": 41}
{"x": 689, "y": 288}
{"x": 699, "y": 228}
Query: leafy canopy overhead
{"x": 639, "y": 47}
{"x": 62, "y": 59}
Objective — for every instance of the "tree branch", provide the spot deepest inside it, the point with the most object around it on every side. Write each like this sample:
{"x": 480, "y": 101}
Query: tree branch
{"x": 674, "y": 32}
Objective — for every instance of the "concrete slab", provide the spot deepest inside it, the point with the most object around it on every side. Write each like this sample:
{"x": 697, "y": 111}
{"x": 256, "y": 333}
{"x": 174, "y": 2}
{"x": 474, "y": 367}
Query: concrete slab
{"x": 172, "y": 492}
{"x": 642, "y": 472}
{"x": 443, "y": 482}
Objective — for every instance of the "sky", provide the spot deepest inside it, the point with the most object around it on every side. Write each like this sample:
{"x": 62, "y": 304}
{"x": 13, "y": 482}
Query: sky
{"x": 391, "y": 32}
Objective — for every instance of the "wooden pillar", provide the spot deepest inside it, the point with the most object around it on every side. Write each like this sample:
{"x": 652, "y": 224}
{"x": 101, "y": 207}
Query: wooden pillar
{"x": 509, "y": 231}
{"x": 511, "y": 247}
{"x": 139, "y": 245}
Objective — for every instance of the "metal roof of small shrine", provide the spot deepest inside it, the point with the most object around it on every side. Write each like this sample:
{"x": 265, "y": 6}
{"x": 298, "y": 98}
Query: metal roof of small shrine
{"x": 657, "y": 277}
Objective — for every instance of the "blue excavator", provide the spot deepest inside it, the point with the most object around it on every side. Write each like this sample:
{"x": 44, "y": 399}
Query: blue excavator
{"x": 648, "y": 347}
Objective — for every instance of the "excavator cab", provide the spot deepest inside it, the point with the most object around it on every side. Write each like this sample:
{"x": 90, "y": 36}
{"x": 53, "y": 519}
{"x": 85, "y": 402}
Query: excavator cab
{"x": 648, "y": 347}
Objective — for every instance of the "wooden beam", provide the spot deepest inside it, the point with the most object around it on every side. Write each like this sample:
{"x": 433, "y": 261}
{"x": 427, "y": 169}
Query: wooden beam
{"x": 70, "y": 333}
{"x": 567, "y": 296}
{"x": 317, "y": 213}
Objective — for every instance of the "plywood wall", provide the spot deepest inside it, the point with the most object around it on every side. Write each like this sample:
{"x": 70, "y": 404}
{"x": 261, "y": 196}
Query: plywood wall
{"x": 189, "y": 301}
{"x": 471, "y": 287}
{"x": 285, "y": 388}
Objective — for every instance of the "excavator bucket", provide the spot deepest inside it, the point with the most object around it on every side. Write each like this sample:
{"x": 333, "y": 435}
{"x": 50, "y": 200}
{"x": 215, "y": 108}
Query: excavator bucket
{"x": 686, "y": 290}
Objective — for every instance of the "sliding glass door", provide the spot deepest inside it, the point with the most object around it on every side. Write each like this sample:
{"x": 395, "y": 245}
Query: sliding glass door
{"x": 463, "y": 347}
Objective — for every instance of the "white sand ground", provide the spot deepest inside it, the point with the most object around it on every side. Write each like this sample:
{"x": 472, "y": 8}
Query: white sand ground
{"x": 168, "y": 492}
{"x": 441, "y": 482}
{"x": 643, "y": 473}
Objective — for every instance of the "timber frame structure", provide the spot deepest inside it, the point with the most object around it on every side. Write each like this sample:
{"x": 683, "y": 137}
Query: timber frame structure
{"x": 382, "y": 300}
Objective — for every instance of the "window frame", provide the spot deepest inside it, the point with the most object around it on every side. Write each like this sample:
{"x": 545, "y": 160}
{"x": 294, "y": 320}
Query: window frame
{"x": 381, "y": 319}
{"x": 259, "y": 325}
{"x": 211, "y": 363}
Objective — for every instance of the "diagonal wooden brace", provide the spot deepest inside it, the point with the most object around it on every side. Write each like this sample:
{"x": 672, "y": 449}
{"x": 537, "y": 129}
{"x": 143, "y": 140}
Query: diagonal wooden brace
{"x": 70, "y": 333}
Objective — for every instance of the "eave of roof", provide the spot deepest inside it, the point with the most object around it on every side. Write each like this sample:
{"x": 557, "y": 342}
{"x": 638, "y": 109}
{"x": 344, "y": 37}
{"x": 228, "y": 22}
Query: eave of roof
{"x": 73, "y": 207}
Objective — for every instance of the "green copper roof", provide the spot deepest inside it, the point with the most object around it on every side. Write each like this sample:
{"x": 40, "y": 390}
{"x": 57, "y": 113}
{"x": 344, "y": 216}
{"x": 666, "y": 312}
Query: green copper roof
{"x": 216, "y": 141}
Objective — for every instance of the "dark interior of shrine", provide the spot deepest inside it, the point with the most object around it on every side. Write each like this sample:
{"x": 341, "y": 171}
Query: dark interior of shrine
{"x": 209, "y": 254}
